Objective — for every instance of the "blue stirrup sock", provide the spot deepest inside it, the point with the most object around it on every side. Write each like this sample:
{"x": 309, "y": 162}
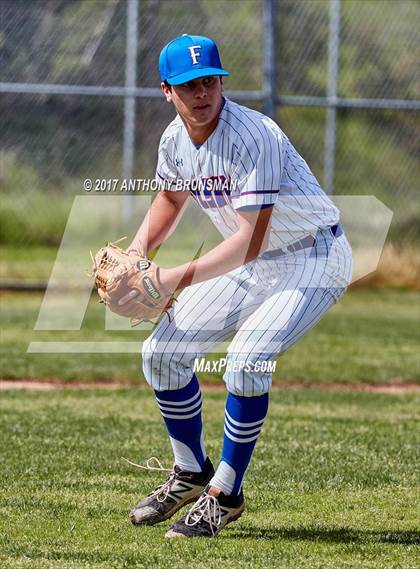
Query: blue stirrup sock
{"x": 181, "y": 410}
{"x": 244, "y": 419}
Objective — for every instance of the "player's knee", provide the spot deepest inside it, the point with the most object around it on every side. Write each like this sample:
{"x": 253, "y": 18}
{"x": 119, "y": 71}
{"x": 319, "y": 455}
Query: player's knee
{"x": 148, "y": 356}
{"x": 162, "y": 368}
{"x": 247, "y": 386}
{"x": 155, "y": 365}
{"x": 248, "y": 376}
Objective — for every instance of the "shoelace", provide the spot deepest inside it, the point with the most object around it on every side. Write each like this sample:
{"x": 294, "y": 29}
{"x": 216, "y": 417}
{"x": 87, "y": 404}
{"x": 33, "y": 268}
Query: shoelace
{"x": 163, "y": 490}
{"x": 206, "y": 508}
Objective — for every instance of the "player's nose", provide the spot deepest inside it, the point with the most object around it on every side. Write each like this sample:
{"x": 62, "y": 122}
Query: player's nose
{"x": 200, "y": 90}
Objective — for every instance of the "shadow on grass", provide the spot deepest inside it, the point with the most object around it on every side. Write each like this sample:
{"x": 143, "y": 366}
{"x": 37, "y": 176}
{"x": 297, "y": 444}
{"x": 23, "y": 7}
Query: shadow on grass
{"x": 312, "y": 533}
{"x": 326, "y": 534}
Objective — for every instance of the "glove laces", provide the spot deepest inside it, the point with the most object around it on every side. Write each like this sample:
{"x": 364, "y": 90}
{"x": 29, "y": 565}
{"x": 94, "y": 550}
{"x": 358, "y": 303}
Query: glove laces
{"x": 206, "y": 508}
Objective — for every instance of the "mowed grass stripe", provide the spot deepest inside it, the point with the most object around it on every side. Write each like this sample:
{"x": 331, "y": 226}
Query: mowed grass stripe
{"x": 369, "y": 336}
{"x": 332, "y": 483}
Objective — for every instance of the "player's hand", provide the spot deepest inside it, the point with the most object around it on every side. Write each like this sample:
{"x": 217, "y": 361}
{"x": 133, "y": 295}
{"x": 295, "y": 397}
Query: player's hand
{"x": 129, "y": 296}
{"x": 139, "y": 252}
{"x": 168, "y": 279}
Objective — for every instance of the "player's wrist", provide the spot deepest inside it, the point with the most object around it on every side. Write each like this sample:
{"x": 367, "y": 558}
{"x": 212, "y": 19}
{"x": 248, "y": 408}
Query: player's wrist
{"x": 171, "y": 280}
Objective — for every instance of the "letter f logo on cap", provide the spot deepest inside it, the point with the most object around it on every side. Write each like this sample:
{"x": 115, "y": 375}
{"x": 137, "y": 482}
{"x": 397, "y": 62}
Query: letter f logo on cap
{"x": 194, "y": 54}
{"x": 187, "y": 58}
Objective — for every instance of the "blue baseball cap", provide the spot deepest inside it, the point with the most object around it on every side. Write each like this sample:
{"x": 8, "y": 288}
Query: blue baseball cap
{"x": 189, "y": 57}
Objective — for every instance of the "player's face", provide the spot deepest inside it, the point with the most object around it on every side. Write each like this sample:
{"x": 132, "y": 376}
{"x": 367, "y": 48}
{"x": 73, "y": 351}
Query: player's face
{"x": 198, "y": 102}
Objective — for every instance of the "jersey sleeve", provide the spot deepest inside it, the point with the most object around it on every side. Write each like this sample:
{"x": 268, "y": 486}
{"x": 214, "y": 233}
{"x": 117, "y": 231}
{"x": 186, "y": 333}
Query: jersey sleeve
{"x": 166, "y": 172}
{"x": 256, "y": 180}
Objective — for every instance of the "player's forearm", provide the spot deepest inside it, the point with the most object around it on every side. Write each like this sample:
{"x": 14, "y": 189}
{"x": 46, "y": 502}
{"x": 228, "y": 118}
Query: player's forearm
{"x": 213, "y": 264}
{"x": 232, "y": 253}
{"x": 242, "y": 247}
{"x": 159, "y": 223}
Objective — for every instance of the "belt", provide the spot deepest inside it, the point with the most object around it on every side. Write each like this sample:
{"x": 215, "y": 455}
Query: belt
{"x": 306, "y": 243}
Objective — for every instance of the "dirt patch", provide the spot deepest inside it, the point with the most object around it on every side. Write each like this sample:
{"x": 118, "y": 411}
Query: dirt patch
{"x": 52, "y": 385}
{"x": 357, "y": 387}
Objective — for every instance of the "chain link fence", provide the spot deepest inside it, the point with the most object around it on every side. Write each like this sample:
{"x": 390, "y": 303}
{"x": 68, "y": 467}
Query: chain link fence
{"x": 79, "y": 95}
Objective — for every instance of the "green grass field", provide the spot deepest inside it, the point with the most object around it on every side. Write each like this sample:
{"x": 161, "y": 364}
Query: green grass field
{"x": 370, "y": 336}
{"x": 332, "y": 484}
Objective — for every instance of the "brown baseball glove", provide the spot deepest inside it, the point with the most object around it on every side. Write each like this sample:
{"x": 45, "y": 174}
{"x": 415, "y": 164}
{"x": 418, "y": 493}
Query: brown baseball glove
{"x": 129, "y": 284}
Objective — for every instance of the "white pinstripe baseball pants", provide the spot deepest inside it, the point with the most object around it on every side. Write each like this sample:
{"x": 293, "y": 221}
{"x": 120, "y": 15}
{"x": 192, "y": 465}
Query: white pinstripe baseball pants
{"x": 266, "y": 305}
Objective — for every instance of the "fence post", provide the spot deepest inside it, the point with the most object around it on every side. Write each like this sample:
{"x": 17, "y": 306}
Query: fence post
{"x": 332, "y": 95}
{"x": 130, "y": 102}
{"x": 269, "y": 63}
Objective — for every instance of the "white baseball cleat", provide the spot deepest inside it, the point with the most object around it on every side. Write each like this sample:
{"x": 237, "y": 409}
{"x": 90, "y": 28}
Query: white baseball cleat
{"x": 180, "y": 488}
{"x": 211, "y": 513}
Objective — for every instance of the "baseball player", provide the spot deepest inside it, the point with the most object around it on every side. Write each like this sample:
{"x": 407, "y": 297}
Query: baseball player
{"x": 284, "y": 261}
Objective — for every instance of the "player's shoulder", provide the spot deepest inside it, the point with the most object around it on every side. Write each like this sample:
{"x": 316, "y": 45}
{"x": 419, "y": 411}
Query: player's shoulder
{"x": 250, "y": 124}
{"x": 252, "y": 127}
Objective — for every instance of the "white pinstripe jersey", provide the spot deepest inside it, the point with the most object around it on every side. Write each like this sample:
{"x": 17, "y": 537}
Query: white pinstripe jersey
{"x": 255, "y": 165}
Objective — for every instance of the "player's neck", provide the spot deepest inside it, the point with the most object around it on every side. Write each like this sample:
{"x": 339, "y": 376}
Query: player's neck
{"x": 199, "y": 134}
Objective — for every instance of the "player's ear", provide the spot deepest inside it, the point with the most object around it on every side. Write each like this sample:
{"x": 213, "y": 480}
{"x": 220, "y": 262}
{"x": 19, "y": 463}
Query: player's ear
{"x": 221, "y": 81}
{"x": 167, "y": 91}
